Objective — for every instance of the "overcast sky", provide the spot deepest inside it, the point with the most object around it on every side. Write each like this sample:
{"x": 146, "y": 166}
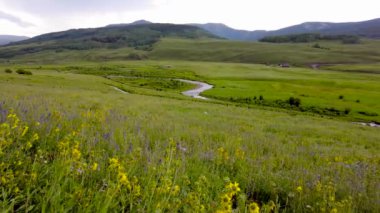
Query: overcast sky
{"x": 34, "y": 17}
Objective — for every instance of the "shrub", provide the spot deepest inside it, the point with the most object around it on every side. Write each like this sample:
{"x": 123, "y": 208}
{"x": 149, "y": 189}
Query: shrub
{"x": 347, "y": 111}
{"x": 23, "y": 72}
{"x": 358, "y": 101}
{"x": 294, "y": 101}
{"x": 261, "y": 98}
{"x": 341, "y": 97}
{"x": 316, "y": 45}
{"x": 8, "y": 71}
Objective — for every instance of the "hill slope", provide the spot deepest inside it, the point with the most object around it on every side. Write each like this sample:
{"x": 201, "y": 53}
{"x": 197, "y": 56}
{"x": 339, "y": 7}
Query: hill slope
{"x": 369, "y": 29}
{"x": 6, "y": 39}
{"x": 138, "y": 36}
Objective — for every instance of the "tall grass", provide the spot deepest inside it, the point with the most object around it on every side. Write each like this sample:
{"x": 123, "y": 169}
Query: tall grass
{"x": 100, "y": 159}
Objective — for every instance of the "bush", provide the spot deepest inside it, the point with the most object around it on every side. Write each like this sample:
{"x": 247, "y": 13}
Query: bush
{"x": 8, "y": 71}
{"x": 341, "y": 97}
{"x": 347, "y": 111}
{"x": 261, "y": 98}
{"x": 23, "y": 72}
{"x": 358, "y": 101}
{"x": 294, "y": 101}
{"x": 316, "y": 45}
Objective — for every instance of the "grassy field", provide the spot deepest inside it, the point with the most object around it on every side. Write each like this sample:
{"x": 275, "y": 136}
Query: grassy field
{"x": 212, "y": 50}
{"x": 353, "y": 96}
{"x": 300, "y": 54}
{"x": 70, "y": 142}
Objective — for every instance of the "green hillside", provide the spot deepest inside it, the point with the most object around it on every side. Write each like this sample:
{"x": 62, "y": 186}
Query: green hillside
{"x": 112, "y": 37}
{"x": 300, "y": 54}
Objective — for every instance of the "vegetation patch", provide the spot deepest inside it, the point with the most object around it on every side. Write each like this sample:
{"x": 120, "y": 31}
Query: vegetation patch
{"x": 311, "y": 37}
{"x": 23, "y": 72}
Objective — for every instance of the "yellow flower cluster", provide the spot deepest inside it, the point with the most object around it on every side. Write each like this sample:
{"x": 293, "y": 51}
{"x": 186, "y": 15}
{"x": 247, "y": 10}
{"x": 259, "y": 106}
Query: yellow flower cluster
{"x": 231, "y": 191}
{"x": 124, "y": 183}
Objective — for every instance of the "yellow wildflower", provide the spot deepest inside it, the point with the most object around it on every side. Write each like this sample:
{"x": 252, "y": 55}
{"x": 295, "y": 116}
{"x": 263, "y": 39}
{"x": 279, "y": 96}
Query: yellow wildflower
{"x": 234, "y": 187}
{"x": 226, "y": 199}
{"x": 114, "y": 163}
{"x": 254, "y": 208}
{"x": 94, "y": 167}
{"x": 35, "y": 137}
{"x": 76, "y": 154}
{"x": 123, "y": 179}
{"x": 176, "y": 190}
{"x": 334, "y": 210}
{"x": 26, "y": 128}
{"x": 299, "y": 189}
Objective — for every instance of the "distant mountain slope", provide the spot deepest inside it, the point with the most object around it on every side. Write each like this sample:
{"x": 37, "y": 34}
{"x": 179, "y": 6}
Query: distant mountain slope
{"x": 224, "y": 31}
{"x": 138, "y": 36}
{"x": 6, "y": 39}
{"x": 369, "y": 29}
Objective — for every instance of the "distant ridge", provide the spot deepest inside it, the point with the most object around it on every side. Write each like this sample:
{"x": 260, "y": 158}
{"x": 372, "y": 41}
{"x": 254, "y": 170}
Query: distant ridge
{"x": 369, "y": 29}
{"x": 140, "y": 35}
{"x": 138, "y": 22}
{"x": 6, "y": 39}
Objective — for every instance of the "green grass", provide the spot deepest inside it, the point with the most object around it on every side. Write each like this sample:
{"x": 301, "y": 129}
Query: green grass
{"x": 69, "y": 141}
{"x": 318, "y": 90}
{"x": 297, "y": 161}
{"x": 266, "y": 53}
{"x": 363, "y": 68}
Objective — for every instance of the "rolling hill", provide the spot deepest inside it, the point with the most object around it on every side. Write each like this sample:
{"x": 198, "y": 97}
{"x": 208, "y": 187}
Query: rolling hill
{"x": 368, "y": 29}
{"x": 6, "y": 39}
{"x": 138, "y": 36}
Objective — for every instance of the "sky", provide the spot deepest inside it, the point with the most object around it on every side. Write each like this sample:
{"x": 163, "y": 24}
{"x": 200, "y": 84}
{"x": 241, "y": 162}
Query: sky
{"x": 34, "y": 17}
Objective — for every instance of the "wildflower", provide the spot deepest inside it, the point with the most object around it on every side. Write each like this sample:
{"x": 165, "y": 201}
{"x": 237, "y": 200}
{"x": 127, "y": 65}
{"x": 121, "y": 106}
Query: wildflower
{"x": 16, "y": 190}
{"x": 234, "y": 187}
{"x": 334, "y": 210}
{"x": 299, "y": 189}
{"x": 35, "y": 137}
{"x": 123, "y": 179}
{"x": 76, "y": 153}
{"x": 254, "y": 208}
{"x": 94, "y": 167}
{"x": 226, "y": 199}
{"x": 176, "y": 190}
{"x": 114, "y": 162}
{"x": 33, "y": 176}
{"x": 26, "y": 128}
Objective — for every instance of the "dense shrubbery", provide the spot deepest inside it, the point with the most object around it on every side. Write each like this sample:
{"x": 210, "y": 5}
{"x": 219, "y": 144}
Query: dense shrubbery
{"x": 8, "y": 70}
{"x": 23, "y": 72}
{"x": 295, "y": 104}
{"x": 310, "y": 37}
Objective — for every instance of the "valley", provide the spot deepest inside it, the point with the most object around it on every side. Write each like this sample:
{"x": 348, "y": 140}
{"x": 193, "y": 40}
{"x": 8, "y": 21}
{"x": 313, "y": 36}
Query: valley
{"x": 171, "y": 118}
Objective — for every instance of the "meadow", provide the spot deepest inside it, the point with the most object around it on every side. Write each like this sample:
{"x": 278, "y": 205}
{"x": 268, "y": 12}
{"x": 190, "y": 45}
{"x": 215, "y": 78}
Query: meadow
{"x": 71, "y": 142}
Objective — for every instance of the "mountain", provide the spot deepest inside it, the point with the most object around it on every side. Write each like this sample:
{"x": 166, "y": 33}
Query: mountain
{"x": 6, "y": 39}
{"x": 224, "y": 31}
{"x": 369, "y": 29}
{"x": 138, "y": 22}
{"x": 140, "y": 35}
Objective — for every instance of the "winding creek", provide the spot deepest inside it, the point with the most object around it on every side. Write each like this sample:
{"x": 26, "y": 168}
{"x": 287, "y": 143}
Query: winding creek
{"x": 195, "y": 93}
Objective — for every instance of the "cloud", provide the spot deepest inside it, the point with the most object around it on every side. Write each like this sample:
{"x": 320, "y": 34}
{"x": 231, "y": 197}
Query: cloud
{"x": 15, "y": 19}
{"x": 45, "y": 8}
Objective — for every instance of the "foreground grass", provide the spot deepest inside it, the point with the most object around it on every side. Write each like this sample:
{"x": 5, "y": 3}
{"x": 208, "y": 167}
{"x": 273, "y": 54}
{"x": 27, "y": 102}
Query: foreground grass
{"x": 73, "y": 143}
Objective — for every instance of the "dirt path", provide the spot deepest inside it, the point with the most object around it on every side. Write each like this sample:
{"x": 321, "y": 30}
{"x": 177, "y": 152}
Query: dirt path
{"x": 372, "y": 124}
{"x": 122, "y": 91}
{"x": 201, "y": 87}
